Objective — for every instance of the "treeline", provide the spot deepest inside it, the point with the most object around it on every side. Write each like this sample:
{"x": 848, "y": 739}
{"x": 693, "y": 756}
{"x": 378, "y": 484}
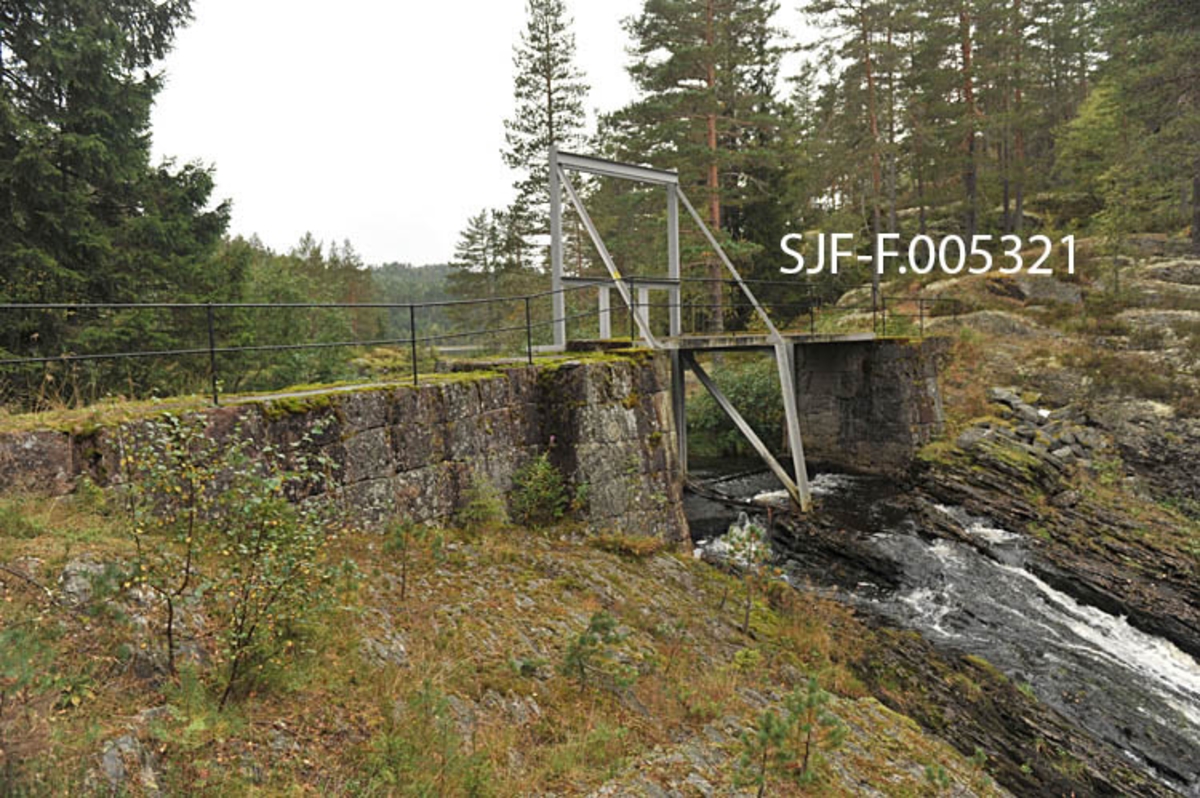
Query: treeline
{"x": 937, "y": 116}
{"x": 270, "y": 305}
{"x": 908, "y": 116}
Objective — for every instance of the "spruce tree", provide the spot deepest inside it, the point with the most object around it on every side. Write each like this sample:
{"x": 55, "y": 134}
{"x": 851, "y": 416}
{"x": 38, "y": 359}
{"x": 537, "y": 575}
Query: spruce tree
{"x": 1155, "y": 67}
{"x": 549, "y": 93}
{"x": 84, "y": 215}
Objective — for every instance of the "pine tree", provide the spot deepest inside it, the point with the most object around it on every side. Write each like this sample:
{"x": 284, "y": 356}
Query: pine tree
{"x": 705, "y": 72}
{"x": 83, "y": 214}
{"x": 549, "y": 92}
{"x": 1155, "y": 66}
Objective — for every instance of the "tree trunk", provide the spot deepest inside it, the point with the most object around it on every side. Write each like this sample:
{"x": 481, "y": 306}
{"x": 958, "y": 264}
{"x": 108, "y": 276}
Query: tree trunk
{"x": 1004, "y": 165}
{"x": 891, "y": 182}
{"x": 876, "y": 170}
{"x": 968, "y": 89}
{"x": 1019, "y": 135}
{"x": 716, "y": 290}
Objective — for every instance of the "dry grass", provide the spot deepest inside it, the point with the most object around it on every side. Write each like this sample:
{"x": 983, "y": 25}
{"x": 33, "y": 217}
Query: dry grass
{"x": 475, "y": 688}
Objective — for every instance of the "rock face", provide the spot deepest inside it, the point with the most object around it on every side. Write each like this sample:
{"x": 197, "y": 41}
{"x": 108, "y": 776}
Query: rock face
{"x": 868, "y": 406}
{"x": 421, "y": 451}
{"x": 1123, "y": 564}
{"x": 1159, "y": 446}
{"x": 37, "y": 461}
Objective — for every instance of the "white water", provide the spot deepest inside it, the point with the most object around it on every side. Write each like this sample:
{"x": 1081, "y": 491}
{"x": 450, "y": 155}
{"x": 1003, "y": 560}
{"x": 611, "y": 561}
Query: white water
{"x": 1110, "y": 637}
{"x": 820, "y": 485}
{"x": 1137, "y": 689}
{"x": 978, "y": 527}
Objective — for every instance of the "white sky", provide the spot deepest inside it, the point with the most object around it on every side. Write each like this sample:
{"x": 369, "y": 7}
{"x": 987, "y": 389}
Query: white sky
{"x": 377, "y": 122}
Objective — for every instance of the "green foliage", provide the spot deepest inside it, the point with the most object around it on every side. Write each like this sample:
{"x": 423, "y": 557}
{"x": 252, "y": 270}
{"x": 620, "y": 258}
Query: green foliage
{"x": 753, "y": 388}
{"x": 419, "y": 752}
{"x": 937, "y": 777}
{"x": 548, "y": 93}
{"x": 589, "y": 655}
{"x": 788, "y": 744}
{"x": 705, "y": 76}
{"x": 171, "y": 467}
{"x": 230, "y": 518}
{"x": 15, "y": 523}
{"x": 748, "y": 548}
{"x": 403, "y": 537}
{"x": 818, "y": 727}
{"x": 84, "y": 214}
{"x": 539, "y": 495}
{"x": 764, "y": 748}
{"x": 483, "y": 506}
{"x": 27, "y": 696}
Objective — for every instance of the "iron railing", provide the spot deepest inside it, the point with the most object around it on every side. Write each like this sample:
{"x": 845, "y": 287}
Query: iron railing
{"x": 812, "y": 305}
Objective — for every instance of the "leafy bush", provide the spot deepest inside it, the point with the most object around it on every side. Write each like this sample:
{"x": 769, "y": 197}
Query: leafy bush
{"x": 539, "y": 495}
{"x": 221, "y": 517}
{"x": 753, "y": 388}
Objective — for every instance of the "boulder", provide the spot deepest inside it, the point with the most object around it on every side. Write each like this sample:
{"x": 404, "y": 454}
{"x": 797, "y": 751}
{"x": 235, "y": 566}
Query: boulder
{"x": 1042, "y": 290}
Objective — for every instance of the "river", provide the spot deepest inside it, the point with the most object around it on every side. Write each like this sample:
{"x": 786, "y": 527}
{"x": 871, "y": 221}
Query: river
{"x": 1137, "y": 692}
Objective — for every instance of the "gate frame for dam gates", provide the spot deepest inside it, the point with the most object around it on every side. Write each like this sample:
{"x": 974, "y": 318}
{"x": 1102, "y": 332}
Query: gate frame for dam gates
{"x": 681, "y": 348}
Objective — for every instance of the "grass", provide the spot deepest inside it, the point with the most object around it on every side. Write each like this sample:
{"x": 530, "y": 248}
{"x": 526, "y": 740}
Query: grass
{"x": 82, "y": 421}
{"x": 476, "y": 704}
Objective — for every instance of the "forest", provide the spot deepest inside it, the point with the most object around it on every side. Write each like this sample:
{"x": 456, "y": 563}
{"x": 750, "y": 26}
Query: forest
{"x": 856, "y": 116}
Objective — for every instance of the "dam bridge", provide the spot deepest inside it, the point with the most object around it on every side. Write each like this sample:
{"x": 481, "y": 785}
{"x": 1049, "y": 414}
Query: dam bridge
{"x": 636, "y": 301}
{"x": 852, "y": 390}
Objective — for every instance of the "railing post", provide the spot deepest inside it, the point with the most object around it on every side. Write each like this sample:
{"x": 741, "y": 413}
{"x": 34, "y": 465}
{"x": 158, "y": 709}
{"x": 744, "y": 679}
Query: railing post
{"x": 812, "y": 319}
{"x": 632, "y": 311}
{"x": 412, "y": 341}
{"x": 921, "y": 313}
{"x": 528, "y": 332}
{"x": 212, "y": 354}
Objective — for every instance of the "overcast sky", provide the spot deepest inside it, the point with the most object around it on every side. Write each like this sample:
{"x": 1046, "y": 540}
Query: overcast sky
{"x": 377, "y": 122}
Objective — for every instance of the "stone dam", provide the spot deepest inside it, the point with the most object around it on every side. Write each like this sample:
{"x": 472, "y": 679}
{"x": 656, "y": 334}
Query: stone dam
{"x": 604, "y": 420}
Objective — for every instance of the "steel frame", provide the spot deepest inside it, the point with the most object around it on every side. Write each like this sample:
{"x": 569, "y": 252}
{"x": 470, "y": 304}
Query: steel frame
{"x": 784, "y": 350}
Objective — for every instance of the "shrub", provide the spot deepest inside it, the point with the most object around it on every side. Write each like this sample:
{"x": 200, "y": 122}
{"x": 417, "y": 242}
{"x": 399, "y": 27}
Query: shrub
{"x": 539, "y": 496}
{"x": 788, "y": 744}
{"x": 16, "y": 524}
{"x": 27, "y": 699}
{"x": 403, "y": 538}
{"x": 171, "y": 469}
{"x": 217, "y": 516}
{"x": 483, "y": 506}
{"x": 753, "y": 388}
{"x": 589, "y": 654}
{"x": 420, "y": 753}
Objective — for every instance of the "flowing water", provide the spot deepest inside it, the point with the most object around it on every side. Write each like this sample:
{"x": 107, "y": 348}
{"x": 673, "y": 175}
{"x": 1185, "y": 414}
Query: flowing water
{"x": 1137, "y": 692}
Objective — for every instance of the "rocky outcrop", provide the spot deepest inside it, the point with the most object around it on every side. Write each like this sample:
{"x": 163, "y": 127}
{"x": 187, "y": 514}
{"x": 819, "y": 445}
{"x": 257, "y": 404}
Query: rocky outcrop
{"x": 1084, "y": 544}
{"x": 1030, "y": 748}
{"x": 1159, "y": 446}
{"x": 422, "y": 452}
